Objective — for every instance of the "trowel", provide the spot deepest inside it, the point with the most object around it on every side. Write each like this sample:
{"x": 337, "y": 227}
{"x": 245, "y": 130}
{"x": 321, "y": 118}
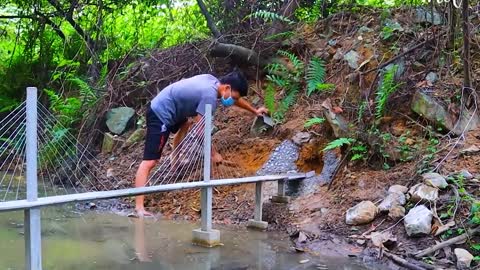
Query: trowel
{"x": 262, "y": 123}
{"x": 267, "y": 120}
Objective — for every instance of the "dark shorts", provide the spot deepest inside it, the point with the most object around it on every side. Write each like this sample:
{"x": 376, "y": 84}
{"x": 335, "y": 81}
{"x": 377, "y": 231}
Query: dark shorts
{"x": 157, "y": 135}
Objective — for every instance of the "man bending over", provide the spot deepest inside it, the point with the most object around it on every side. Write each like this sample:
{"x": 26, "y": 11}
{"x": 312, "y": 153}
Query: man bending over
{"x": 169, "y": 112}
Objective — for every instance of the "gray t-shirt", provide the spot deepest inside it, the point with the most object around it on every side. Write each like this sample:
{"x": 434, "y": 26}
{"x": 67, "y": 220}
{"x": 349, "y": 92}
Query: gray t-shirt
{"x": 185, "y": 98}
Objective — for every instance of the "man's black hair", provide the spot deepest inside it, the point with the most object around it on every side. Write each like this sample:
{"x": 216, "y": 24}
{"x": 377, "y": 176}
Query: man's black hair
{"x": 237, "y": 81}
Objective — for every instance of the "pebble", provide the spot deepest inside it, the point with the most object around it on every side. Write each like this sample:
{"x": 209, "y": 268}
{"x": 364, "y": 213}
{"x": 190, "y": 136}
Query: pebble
{"x": 304, "y": 261}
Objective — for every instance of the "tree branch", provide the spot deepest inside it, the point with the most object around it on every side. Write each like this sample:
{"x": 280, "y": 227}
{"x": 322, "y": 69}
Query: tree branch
{"x": 69, "y": 18}
{"x": 210, "y": 23}
{"x": 238, "y": 53}
{"x": 6, "y": 17}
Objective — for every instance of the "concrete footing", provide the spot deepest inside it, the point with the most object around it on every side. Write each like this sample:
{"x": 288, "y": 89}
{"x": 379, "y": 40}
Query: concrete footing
{"x": 258, "y": 225}
{"x": 280, "y": 199}
{"x": 206, "y": 238}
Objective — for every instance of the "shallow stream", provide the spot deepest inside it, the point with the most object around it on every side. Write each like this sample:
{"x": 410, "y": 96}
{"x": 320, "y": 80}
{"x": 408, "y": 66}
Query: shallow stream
{"x": 97, "y": 240}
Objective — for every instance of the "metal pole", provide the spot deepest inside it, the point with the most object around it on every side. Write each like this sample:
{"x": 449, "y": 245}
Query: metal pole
{"x": 258, "y": 201}
{"x": 33, "y": 244}
{"x": 206, "y": 193}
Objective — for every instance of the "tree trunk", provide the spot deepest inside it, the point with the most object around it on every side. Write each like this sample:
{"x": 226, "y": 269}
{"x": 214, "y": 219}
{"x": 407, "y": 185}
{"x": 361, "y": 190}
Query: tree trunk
{"x": 466, "y": 46}
{"x": 452, "y": 19}
{"x": 237, "y": 53}
{"x": 210, "y": 23}
{"x": 287, "y": 11}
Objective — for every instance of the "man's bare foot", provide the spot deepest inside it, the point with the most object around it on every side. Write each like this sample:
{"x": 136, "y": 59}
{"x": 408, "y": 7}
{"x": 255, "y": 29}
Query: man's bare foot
{"x": 141, "y": 213}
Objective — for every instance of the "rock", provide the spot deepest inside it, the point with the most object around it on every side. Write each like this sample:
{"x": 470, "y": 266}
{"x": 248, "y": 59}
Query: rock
{"x": 365, "y": 29}
{"x": 398, "y": 189}
{"x": 338, "y": 123}
{"x": 392, "y": 199}
{"x": 396, "y": 212}
{"x": 361, "y": 213}
{"x": 466, "y": 174}
{"x": 136, "y": 137}
{"x": 92, "y": 205}
{"x": 418, "y": 221}
{"x": 422, "y": 192}
{"x": 431, "y": 77}
{"x": 110, "y": 173}
{"x": 464, "y": 258}
{"x": 338, "y": 55}
{"x": 432, "y": 110}
{"x": 385, "y": 239}
{"x": 332, "y": 42}
{"x": 118, "y": 118}
{"x": 424, "y": 15}
{"x": 302, "y": 238}
{"x": 361, "y": 241}
{"x": 301, "y": 138}
{"x": 110, "y": 143}
{"x": 471, "y": 150}
{"x": 352, "y": 58}
{"x": 435, "y": 180}
{"x": 400, "y": 64}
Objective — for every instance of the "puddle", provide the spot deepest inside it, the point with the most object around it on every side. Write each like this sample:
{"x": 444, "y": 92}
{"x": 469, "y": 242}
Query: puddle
{"x": 91, "y": 240}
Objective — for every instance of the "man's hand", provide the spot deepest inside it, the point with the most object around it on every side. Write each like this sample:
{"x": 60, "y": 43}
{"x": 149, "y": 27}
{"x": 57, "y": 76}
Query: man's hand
{"x": 261, "y": 111}
{"x": 216, "y": 157}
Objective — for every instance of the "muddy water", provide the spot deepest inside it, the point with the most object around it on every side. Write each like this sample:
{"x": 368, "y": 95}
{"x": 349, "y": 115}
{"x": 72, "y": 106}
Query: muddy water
{"x": 90, "y": 240}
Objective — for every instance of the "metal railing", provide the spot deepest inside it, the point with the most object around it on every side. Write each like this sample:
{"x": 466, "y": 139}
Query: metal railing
{"x": 32, "y": 204}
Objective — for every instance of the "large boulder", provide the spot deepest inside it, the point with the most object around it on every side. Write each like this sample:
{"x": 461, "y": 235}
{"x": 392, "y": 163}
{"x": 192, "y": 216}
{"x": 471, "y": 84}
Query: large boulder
{"x": 432, "y": 110}
{"x": 422, "y": 192}
{"x": 435, "y": 180}
{"x": 118, "y": 119}
{"x": 361, "y": 213}
{"x": 429, "y": 108}
{"x": 418, "y": 221}
{"x": 464, "y": 258}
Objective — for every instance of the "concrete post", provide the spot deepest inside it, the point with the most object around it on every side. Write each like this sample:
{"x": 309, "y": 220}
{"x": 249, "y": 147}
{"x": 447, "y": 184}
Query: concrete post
{"x": 256, "y": 222}
{"x": 281, "y": 197}
{"x": 32, "y": 224}
{"x": 206, "y": 236}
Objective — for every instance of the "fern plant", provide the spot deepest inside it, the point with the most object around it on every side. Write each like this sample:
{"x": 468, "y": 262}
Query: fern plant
{"x": 286, "y": 81}
{"x": 387, "y": 87}
{"x": 313, "y": 121}
{"x": 338, "y": 143}
{"x": 270, "y": 97}
{"x": 315, "y": 77}
{"x": 315, "y": 74}
{"x": 269, "y": 16}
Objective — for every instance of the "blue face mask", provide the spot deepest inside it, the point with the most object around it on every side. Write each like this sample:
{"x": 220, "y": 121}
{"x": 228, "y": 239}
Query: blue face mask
{"x": 227, "y": 102}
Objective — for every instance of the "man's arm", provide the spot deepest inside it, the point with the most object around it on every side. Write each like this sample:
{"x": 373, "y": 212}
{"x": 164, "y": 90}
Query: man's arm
{"x": 242, "y": 103}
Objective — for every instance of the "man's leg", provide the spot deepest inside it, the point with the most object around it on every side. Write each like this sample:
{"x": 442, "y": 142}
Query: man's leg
{"x": 181, "y": 133}
{"x": 140, "y": 181}
{"x": 155, "y": 140}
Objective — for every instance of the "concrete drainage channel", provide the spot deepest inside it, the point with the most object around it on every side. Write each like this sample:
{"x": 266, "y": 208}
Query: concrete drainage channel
{"x": 283, "y": 160}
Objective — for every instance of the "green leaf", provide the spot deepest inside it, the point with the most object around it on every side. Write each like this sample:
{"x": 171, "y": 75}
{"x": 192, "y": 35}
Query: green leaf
{"x": 269, "y": 16}
{"x": 338, "y": 143}
{"x": 313, "y": 121}
{"x": 315, "y": 75}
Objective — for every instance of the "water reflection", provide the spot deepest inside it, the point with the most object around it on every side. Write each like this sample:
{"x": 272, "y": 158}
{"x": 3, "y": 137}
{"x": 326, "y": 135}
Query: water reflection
{"x": 93, "y": 241}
